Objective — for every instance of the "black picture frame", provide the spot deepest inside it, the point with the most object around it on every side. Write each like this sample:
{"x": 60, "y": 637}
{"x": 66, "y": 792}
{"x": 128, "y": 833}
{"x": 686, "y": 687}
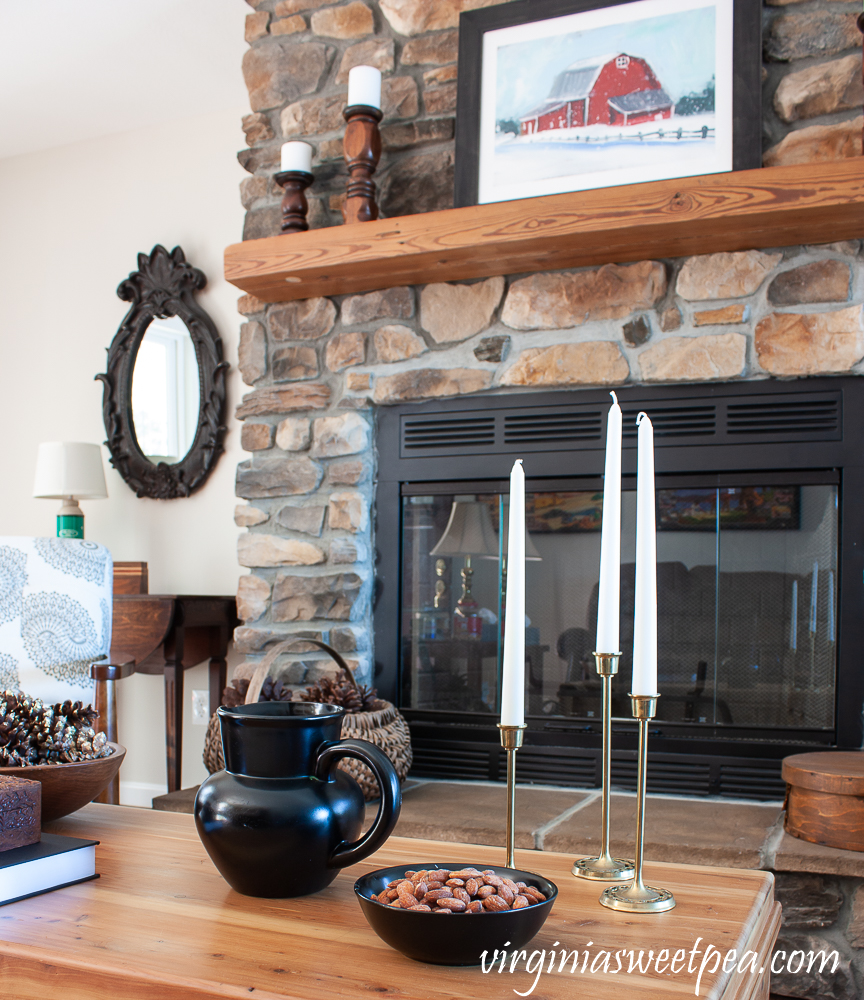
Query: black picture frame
{"x": 473, "y": 24}
{"x": 164, "y": 285}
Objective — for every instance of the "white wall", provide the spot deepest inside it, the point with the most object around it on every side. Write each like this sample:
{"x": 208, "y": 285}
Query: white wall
{"x": 72, "y": 221}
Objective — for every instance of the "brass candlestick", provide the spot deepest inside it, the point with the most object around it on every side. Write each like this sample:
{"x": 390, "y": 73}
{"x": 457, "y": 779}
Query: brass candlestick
{"x": 638, "y": 897}
{"x": 605, "y": 868}
{"x": 295, "y": 207}
{"x": 362, "y": 147}
{"x": 511, "y": 740}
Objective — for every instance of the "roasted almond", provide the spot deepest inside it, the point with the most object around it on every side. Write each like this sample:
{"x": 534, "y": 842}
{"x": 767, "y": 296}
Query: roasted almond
{"x": 495, "y": 904}
{"x": 435, "y": 894}
{"x": 454, "y": 905}
{"x": 520, "y": 902}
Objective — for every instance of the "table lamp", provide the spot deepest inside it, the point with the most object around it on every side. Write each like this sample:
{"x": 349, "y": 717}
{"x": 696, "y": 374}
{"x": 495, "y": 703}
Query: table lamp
{"x": 469, "y": 532}
{"x": 69, "y": 471}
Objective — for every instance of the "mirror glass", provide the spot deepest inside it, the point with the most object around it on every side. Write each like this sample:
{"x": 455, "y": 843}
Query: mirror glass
{"x": 165, "y": 391}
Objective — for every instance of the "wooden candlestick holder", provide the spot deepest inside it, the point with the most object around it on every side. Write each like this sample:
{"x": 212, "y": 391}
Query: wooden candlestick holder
{"x": 362, "y": 146}
{"x": 294, "y": 204}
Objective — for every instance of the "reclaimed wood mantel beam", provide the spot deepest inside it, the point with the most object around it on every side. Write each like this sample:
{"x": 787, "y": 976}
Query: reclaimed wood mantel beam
{"x": 751, "y": 209}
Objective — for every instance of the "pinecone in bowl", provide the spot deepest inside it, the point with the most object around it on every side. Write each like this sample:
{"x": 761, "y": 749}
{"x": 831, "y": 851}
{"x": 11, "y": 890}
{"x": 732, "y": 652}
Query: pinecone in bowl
{"x": 34, "y": 733}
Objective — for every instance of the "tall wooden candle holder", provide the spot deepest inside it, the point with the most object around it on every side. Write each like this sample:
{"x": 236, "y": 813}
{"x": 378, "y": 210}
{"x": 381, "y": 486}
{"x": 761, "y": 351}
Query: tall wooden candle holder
{"x": 362, "y": 146}
{"x": 294, "y": 204}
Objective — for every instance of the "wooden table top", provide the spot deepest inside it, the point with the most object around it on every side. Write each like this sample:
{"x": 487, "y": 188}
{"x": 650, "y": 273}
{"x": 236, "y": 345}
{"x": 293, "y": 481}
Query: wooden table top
{"x": 161, "y": 924}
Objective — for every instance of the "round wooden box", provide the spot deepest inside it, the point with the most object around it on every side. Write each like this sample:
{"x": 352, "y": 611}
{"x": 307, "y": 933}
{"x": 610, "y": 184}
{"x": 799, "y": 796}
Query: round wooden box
{"x": 825, "y": 798}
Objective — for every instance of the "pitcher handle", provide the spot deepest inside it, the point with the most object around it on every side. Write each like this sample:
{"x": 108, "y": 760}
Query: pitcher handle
{"x": 389, "y": 806}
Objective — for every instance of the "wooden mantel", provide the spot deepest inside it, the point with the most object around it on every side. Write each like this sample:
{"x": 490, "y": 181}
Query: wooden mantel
{"x": 770, "y": 207}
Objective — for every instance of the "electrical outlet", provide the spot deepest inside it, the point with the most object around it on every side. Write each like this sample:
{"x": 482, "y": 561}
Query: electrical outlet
{"x": 200, "y": 708}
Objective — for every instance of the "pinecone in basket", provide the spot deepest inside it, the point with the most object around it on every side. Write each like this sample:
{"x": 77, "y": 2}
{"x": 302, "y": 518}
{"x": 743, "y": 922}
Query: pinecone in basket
{"x": 34, "y": 733}
{"x": 273, "y": 690}
{"x": 235, "y": 693}
{"x": 352, "y": 697}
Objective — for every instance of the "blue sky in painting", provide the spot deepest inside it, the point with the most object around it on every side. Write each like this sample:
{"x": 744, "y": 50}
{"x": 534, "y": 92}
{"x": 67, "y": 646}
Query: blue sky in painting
{"x": 678, "y": 47}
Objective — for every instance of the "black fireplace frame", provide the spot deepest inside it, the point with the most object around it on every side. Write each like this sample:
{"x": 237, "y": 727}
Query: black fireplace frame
{"x": 760, "y": 430}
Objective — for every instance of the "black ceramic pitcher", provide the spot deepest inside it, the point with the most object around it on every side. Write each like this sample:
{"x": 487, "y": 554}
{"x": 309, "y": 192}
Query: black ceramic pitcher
{"x": 281, "y": 819}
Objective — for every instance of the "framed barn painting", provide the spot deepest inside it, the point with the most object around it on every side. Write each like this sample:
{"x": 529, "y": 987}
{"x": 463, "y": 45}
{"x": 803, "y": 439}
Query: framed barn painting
{"x": 568, "y": 95}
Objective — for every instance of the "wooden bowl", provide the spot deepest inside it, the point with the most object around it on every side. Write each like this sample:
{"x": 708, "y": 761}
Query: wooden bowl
{"x": 462, "y": 938}
{"x": 67, "y": 787}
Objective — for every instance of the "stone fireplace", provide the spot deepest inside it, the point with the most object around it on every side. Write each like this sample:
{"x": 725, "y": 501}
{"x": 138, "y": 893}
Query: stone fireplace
{"x": 322, "y": 371}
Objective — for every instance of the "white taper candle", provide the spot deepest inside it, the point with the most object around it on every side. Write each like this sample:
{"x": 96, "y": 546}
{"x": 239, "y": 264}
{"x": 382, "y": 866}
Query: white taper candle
{"x": 609, "y": 593}
{"x": 645, "y": 622}
{"x": 513, "y": 679}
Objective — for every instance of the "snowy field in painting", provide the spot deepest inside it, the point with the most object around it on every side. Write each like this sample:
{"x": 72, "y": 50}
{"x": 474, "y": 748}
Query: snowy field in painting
{"x": 567, "y": 152}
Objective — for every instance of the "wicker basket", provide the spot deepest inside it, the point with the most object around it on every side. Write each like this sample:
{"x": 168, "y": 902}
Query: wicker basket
{"x": 384, "y": 727}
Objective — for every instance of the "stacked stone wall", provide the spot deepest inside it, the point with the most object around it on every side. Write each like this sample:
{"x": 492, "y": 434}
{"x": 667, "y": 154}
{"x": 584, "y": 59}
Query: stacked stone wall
{"x": 318, "y": 368}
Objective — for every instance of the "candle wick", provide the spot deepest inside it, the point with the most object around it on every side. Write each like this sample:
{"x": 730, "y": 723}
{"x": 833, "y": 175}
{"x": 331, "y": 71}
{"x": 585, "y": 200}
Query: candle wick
{"x": 614, "y": 397}
{"x": 641, "y": 414}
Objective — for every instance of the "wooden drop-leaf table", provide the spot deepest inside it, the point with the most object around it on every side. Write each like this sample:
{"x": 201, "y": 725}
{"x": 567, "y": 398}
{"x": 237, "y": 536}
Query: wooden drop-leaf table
{"x": 161, "y": 924}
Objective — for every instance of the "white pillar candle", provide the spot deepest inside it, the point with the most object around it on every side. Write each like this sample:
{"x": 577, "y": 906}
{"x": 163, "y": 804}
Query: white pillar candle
{"x": 364, "y": 86}
{"x": 513, "y": 680}
{"x": 297, "y": 156}
{"x": 645, "y": 623}
{"x": 609, "y": 595}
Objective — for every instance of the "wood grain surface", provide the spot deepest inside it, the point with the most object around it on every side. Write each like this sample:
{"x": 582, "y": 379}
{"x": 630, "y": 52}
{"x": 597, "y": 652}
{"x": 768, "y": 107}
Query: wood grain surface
{"x": 770, "y": 207}
{"x": 161, "y": 923}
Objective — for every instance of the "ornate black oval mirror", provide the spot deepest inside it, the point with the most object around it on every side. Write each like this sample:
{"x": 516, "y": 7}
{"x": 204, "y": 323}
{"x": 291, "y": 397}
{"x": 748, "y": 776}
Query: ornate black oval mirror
{"x": 164, "y": 396}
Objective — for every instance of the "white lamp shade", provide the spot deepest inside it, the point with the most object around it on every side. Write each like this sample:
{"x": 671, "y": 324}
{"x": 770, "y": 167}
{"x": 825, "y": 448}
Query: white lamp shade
{"x": 531, "y": 553}
{"x": 69, "y": 469}
{"x": 469, "y": 531}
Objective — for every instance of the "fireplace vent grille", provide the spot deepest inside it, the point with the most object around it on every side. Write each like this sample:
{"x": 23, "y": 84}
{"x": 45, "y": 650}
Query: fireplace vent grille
{"x": 678, "y": 776}
{"x": 453, "y": 435}
{"x": 751, "y": 782}
{"x": 816, "y": 416}
{"x": 462, "y": 762}
{"x": 676, "y": 421}
{"x": 581, "y": 427}
{"x": 547, "y": 428}
{"x": 548, "y": 768}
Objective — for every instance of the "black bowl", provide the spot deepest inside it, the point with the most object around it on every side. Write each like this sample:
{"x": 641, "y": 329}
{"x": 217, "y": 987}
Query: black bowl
{"x": 462, "y": 938}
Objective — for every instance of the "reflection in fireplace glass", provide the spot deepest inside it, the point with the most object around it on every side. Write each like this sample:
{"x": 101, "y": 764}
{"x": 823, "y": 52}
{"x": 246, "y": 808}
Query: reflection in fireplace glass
{"x": 747, "y": 596}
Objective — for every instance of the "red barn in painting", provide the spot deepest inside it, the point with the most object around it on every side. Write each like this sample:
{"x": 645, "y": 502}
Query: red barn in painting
{"x": 615, "y": 89}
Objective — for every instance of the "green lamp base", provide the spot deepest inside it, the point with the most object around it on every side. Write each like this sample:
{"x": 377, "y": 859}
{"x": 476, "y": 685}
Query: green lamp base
{"x": 70, "y": 526}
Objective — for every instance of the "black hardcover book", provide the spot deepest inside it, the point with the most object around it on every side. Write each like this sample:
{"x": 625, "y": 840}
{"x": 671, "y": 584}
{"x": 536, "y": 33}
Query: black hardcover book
{"x": 53, "y": 863}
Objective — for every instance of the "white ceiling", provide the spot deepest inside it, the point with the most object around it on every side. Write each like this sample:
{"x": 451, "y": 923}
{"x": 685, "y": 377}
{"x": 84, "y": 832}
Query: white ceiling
{"x": 72, "y": 70}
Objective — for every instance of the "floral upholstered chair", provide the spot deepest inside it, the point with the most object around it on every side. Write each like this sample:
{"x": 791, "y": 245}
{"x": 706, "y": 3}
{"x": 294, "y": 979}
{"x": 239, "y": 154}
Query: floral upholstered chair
{"x": 55, "y": 615}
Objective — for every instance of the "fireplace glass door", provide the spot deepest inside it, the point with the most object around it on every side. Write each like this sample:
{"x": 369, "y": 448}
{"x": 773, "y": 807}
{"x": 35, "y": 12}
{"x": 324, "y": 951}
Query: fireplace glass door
{"x": 747, "y": 604}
